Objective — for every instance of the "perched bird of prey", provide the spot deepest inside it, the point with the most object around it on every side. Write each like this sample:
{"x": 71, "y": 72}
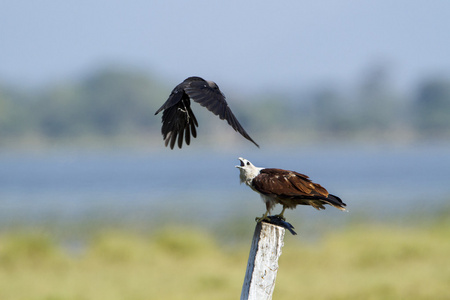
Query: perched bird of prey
{"x": 179, "y": 120}
{"x": 288, "y": 188}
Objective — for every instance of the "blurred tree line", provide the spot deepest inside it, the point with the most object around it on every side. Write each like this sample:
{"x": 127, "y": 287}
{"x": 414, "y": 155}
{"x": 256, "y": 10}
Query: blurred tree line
{"x": 121, "y": 102}
{"x": 107, "y": 103}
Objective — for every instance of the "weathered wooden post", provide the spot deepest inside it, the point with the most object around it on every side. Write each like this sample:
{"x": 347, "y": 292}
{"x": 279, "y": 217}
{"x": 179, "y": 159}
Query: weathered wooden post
{"x": 262, "y": 266}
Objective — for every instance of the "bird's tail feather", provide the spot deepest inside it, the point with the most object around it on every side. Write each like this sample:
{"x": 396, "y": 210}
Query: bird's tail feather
{"x": 336, "y": 202}
{"x": 318, "y": 202}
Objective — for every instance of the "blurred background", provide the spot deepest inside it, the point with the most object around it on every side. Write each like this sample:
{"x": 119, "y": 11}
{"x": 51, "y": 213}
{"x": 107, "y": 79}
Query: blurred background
{"x": 355, "y": 95}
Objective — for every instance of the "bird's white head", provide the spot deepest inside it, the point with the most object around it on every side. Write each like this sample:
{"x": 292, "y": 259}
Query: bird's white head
{"x": 247, "y": 171}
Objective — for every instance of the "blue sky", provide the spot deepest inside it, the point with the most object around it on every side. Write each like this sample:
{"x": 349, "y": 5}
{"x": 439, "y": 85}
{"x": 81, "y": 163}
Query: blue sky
{"x": 245, "y": 44}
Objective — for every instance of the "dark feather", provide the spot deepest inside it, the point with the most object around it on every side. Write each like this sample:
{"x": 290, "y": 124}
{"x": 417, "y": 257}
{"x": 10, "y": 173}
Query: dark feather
{"x": 179, "y": 120}
{"x": 276, "y": 220}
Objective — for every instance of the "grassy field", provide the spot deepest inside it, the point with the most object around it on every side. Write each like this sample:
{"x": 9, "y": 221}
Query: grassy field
{"x": 357, "y": 262}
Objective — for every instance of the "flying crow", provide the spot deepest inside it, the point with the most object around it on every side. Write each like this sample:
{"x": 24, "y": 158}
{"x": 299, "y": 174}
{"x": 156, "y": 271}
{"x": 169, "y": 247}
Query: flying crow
{"x": 178, "y": 120}
{"x": 288, "y": 188}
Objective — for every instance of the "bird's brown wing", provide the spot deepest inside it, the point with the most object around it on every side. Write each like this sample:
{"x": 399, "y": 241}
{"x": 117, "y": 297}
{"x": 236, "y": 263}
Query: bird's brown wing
{"x": 208, "y": 95}
{"x": 285, "y": 184}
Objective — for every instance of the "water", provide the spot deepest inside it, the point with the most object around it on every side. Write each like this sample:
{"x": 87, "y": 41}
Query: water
{"x": 75, "y": 186}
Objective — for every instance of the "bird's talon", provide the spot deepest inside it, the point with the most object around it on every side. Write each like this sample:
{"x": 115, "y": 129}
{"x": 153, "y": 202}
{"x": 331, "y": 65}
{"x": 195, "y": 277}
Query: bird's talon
{"x": 263, "y": 218}
{"x": 280, "y": 217}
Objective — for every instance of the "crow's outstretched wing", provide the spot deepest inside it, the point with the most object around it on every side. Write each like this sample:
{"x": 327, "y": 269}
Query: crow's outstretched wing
{"x": 208, "y": 95}
{"x": 178, "y": 119}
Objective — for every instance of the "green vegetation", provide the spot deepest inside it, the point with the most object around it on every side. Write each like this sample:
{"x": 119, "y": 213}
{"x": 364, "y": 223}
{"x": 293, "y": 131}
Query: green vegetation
{"x": 118, "y": 104}
{"x": 359, "y": 262}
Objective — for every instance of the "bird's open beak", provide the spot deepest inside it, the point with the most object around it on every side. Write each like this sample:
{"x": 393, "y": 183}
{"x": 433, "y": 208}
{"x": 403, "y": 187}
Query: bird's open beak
{"x": 242, "y": 163}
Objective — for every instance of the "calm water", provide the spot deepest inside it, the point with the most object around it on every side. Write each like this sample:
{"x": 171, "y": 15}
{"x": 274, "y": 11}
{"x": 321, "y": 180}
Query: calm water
{"x": 78, "y": 185}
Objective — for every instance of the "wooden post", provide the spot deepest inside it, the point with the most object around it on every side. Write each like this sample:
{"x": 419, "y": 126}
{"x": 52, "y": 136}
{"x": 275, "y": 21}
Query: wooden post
{"x": 262, "y": 265}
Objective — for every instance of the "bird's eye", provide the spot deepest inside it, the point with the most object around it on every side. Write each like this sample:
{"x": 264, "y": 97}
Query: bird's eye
{"x": 248, "y": 163}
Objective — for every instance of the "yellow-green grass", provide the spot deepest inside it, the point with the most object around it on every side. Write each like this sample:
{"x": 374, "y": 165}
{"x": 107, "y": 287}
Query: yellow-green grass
{"x": 357, "y": 262}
